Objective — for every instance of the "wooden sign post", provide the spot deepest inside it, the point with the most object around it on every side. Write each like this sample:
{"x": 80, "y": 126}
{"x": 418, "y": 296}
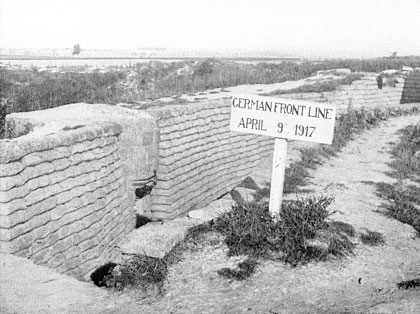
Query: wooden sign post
{"x": 284, "y": 119}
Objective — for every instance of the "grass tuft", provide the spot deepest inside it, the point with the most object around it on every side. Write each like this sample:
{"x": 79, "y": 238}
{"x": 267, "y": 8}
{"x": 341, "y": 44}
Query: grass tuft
{"x": 140, "y": 271}
{"x": 404, "y": 203}
{"x": 404, "y": 199}
{"x": 340, "y": 245}
{"x": 372, "y": 238}
{"x": 406, "y": 163}
{"x": 295, "y": 175}
{"x": 263, "y": 193}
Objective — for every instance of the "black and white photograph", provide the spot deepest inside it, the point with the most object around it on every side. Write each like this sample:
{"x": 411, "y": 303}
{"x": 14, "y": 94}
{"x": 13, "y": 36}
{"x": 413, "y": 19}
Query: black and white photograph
{"x": 209, "y": 156}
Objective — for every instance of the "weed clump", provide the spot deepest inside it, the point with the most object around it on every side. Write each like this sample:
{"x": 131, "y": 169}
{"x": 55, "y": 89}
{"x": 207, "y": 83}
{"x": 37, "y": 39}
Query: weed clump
{"x": 372, "y": 238}
{"x": 404, "y": 203}
{"x": 295, "y": 175}
{"x": 404, "y": 199}
{"x": 140, "y": 271}
{"x": 406, "y": 161}
{"x": 249, "y": 230}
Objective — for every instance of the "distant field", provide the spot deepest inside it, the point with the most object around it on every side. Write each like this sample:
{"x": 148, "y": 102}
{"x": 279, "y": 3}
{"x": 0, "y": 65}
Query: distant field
{"x": 44, "y": 62}
{"x": 77, "y": 62}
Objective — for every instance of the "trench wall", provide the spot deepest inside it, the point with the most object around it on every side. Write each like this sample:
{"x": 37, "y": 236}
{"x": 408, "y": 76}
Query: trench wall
{"x": 200, "y": 159}
{"x": 411, "y": 90}
{"x": 62, "y": 198}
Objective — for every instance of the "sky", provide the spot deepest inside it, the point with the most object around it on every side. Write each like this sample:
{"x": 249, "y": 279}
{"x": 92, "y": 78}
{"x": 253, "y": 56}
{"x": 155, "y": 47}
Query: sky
{"x": 345, "y": 28}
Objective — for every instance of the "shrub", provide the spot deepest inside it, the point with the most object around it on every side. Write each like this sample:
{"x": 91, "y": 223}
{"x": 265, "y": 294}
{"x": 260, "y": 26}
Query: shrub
{"x": 250, "y": 230}
{"x": 406, "y": 162}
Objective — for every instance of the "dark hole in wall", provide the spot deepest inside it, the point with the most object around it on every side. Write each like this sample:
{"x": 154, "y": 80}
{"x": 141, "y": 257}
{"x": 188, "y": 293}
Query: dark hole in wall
{"x": 380, "y": 81}
{"x": 249, "y": 183}
{"x": 98, "y": 276}
{"x": 141, "y": 220}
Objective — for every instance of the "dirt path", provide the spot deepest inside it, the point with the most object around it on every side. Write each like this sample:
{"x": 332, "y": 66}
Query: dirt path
{"x": 363, "y": 283}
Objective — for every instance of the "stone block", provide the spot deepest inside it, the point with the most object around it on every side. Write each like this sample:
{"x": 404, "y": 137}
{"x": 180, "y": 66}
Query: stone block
{"x": 155, "y": 239}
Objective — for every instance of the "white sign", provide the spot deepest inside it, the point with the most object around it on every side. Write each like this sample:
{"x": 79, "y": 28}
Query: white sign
{"x": 283, "y": 118}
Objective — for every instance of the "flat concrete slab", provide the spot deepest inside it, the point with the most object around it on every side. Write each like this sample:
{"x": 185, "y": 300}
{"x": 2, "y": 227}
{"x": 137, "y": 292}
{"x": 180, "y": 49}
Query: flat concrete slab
{"x": 156, "y": 239}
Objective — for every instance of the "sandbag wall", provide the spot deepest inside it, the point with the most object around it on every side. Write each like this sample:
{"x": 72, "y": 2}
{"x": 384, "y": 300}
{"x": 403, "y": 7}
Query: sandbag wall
{"x": 411, "y": 91}
{"x": 63, "y": 200}
{"x": 363, "y": 93}
{"x": 200, "y": 159}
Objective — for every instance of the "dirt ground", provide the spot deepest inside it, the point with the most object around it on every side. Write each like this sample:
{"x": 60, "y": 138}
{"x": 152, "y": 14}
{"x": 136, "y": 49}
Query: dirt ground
{"x": 365, "y": 282}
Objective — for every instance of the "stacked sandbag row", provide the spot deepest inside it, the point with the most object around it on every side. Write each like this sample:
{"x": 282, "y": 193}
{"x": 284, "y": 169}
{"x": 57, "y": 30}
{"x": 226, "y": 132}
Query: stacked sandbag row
{"x": 200, "y": 159}
{"x": 364, "y": 93}
{"x": 62, "y": 198}
{"x": 411, "y": 91}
